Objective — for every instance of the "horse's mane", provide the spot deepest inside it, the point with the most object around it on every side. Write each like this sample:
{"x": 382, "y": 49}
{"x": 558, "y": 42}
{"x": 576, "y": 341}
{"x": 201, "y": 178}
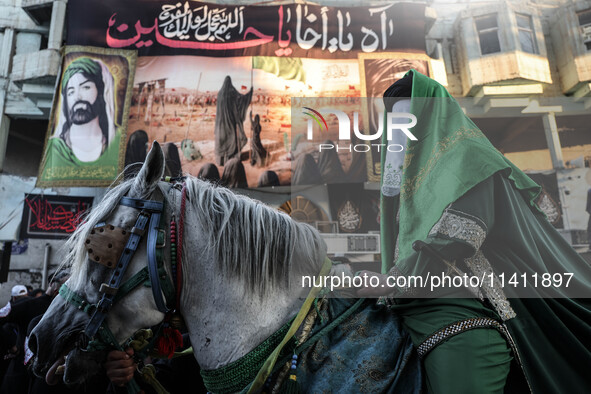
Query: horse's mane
{"x": 251, "y": 240}
{"x": 248, "y": 239}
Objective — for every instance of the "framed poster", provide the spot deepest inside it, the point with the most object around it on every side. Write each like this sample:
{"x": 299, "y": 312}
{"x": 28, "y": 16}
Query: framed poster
{"x": 85, "y": 139}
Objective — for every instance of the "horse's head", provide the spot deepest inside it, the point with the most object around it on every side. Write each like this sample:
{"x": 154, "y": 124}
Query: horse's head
{"x": 72, "y": 330}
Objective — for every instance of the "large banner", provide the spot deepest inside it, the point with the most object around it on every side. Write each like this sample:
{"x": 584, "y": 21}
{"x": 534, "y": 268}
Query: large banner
{"x": 214, "y": 83}
{"x": 292, "y": 30}
{"x": 87, "y": 128}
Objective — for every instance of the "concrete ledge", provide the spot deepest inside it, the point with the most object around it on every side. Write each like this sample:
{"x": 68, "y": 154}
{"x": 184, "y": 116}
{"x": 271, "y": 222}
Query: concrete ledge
{"x": 36, "y": 67}
{"x": 501, "y": 68}
{"x": 522, "y": 90}
{"x": 38, "y": 10}
{"x": 583, "y": 91}
{"x": 535, "y": 88}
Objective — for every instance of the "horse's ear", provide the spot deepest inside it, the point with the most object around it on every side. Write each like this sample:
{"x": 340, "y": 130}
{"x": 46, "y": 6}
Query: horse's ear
{"x": 151, "y": 172}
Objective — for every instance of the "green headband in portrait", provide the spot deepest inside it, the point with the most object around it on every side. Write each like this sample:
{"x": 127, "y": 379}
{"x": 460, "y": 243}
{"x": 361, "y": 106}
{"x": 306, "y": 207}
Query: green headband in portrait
{"x": 81, "y": 65}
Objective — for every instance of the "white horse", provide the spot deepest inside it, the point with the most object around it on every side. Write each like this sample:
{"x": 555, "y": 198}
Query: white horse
{"x": 242, "y": 264}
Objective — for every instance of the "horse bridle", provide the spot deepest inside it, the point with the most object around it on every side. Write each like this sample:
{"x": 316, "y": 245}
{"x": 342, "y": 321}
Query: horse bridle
{"x": 150, "y": 215}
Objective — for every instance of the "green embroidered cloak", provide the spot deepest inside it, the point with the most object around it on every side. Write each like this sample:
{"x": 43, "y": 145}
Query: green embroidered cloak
{"x": 476, "y": 209}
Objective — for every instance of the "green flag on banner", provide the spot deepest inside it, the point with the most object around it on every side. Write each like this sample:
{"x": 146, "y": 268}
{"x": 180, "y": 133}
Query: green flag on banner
{"x": 286, "y": 68}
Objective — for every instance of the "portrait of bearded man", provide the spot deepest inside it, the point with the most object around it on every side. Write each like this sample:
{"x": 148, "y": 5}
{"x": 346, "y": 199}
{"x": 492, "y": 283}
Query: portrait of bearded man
{"x": 86, "y": 124}
{"x": 84, "y": 142}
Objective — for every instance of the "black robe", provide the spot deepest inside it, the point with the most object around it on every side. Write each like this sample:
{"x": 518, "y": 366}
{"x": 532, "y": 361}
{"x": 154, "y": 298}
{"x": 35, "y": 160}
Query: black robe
{"x": 306, "y": 171}
{"x": 229, "y": 118}
{"x": 209, "y": 172}
{"x": 268, "y": 178}
{"x": 358, "y": 169}
{"x": 330, "y": 166}
{"x": 234, "y": 174}
{"x": 258, "y": 153}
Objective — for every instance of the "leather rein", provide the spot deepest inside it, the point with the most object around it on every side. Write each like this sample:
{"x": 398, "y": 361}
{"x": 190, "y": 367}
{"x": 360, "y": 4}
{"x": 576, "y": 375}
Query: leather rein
{"x": 106, "y": 244}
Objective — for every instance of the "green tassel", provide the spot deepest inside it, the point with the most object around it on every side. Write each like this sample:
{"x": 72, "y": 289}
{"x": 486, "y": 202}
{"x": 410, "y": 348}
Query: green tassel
{"x": 291, "y": 385}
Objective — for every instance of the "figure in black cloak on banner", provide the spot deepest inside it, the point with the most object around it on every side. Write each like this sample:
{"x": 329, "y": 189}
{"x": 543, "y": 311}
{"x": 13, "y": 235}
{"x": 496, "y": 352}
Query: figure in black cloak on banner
{"x": 268, "y": 178}
{"x": 135, "y": 152}
{"x": 209, "y": 172}
{"x": 229, "y": 122}
{"x": 258, "y": 153}
{"x": 234, "y": 174}
{"x": 330, "y": 166}
{"x": 306, "y": 172}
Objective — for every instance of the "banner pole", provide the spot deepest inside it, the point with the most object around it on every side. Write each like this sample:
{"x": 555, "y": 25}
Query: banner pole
{"x": 139, "y": 101}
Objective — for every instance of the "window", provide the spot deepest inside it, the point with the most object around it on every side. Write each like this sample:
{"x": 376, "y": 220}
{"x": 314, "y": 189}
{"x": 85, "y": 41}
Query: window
{"x": 527, "y": 38}
{"x": 585, "y": 23}
{"x": 488, "y": 34}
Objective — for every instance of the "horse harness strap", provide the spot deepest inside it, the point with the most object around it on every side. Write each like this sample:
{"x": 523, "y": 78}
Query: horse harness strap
{"x": 154, "y": 275}
{"x": 155, "y": 242}
{"x": 148, "y": 219}
{"x": 149, "y": 216}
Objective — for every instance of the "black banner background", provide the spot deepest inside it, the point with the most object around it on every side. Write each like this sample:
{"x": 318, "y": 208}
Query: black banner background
{"x": 249, "y": 31}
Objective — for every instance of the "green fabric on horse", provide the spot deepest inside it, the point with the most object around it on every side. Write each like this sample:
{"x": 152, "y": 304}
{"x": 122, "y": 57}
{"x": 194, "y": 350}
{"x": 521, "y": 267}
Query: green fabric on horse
{"x": 356, "y": 330}
{"x": 239, "y": 374}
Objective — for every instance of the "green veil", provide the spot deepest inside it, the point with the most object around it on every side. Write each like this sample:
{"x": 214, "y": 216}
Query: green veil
{"x": 450, "y": 156}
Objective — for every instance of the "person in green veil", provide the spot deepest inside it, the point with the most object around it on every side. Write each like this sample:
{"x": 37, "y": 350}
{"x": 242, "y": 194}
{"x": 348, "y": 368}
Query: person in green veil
{"x": 452, "y": 204}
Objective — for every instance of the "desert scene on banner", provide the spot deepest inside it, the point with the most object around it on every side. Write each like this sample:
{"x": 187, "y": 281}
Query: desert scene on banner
{"x": 220, "y": 117}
